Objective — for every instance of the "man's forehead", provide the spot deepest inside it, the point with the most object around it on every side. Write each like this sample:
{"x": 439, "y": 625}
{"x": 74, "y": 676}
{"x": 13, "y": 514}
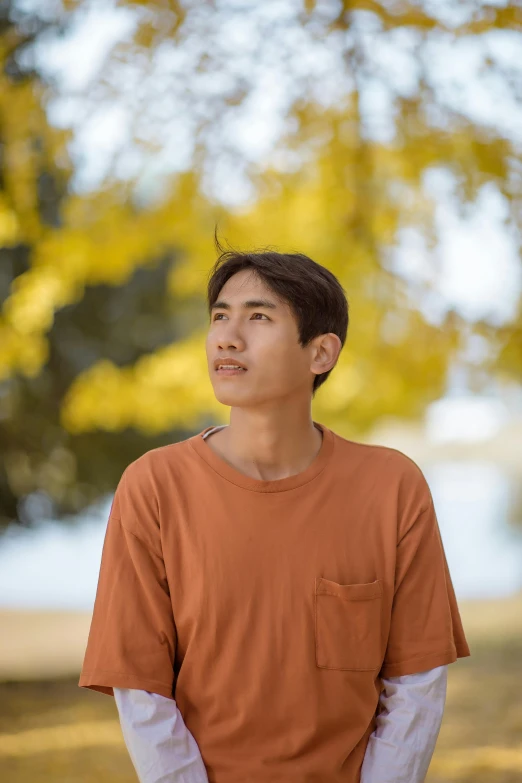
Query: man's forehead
{"x": 242, "y": 281}
{"x": 236, "y": 291}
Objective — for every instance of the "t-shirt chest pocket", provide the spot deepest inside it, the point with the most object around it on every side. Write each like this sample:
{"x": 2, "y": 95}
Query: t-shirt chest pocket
{"x": 348, "y": 625}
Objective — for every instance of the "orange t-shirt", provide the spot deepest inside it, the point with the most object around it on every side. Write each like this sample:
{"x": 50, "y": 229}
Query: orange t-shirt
{"x": 269, "y": 610}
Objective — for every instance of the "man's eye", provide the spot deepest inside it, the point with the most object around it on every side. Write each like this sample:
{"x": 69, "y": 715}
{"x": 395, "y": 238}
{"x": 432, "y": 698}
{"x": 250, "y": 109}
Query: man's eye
{"x": 264, "y": 316}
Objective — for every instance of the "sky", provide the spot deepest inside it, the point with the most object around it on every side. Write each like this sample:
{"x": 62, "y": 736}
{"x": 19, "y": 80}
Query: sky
{"x": 480, "y": 273}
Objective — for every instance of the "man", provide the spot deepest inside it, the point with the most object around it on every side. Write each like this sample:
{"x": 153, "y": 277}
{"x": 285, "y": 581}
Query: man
{"x": 274, "y": 601}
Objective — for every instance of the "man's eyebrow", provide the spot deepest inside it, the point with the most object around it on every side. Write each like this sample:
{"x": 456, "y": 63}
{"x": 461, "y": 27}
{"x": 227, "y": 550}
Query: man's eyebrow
{"x": 249, "y": 304}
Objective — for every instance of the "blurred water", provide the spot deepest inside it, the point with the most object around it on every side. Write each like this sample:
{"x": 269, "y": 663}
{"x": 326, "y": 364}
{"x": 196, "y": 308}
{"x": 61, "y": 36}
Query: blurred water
{"x": 474, "y": 502}
{"x": 57, "y": 566}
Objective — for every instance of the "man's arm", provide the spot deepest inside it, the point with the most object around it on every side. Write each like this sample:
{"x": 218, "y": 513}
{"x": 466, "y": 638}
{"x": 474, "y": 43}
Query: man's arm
{"x": 401, "y": 746}
{"x": 160, "y": 745}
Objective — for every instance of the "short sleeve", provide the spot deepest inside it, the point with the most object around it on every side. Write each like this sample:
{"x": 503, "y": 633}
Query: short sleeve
{"x": 132, "y": 638}
{"x": 425, "y": 629}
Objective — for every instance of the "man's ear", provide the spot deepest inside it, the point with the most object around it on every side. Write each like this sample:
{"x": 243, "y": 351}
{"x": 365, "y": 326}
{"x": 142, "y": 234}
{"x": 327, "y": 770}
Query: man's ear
{"x": 326, "y": 353}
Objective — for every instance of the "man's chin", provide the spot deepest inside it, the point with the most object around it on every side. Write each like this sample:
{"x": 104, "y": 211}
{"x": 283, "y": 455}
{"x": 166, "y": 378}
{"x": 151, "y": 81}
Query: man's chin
{"x": 233, "y": 398}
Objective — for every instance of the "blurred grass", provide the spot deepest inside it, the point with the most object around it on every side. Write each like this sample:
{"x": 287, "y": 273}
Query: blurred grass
{"x": 52, "y": 730}
{"x": 480, "y": 740}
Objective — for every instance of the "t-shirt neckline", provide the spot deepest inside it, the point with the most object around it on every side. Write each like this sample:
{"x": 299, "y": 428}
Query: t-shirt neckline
{"x": 199, "y": 445}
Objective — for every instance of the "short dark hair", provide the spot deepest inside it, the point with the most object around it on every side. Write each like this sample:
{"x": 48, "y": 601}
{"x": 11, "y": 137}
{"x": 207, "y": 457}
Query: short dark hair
{"x": 314, "y": 294}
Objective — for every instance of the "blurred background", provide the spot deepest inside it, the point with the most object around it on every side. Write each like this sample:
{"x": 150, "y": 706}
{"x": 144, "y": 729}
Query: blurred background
{"x": 381, "y": 137}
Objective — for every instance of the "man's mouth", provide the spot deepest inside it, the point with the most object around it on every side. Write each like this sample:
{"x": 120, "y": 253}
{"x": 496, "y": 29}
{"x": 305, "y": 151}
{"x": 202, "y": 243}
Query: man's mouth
{"x": 229, "y": 369}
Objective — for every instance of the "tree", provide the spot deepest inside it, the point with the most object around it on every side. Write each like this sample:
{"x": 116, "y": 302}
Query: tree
{"x": 83, "y": 279}
{"x": 340, "y": 181}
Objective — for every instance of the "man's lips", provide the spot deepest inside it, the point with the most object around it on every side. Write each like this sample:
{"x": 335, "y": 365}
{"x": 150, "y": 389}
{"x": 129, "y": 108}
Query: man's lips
{"x": 227, "y": 360}
{"x": 230, "y": 370}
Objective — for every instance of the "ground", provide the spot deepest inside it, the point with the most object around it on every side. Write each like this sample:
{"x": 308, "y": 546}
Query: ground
{"x": 51, "y": 730}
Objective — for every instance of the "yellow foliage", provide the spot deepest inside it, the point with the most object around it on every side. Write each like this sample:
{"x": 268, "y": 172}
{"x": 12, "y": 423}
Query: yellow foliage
{"x": 345, "y": 207}
{"x": 170, "y": 388}
{"x": 9, "y": 226}
{"x": 27, "y": 353}
{"x": 316, "y": 211}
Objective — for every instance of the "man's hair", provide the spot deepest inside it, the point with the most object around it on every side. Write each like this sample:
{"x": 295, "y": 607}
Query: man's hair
{"x": 314, "y": 294}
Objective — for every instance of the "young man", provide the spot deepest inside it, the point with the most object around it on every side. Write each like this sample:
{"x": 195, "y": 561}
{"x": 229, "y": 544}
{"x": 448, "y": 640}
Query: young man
{"x": 274, "y": 602}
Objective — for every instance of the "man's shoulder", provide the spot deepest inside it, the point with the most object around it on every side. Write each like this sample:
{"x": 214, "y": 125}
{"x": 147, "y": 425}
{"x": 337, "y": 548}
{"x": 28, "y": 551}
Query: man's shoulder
{"x": 376, "y": 455}
{"x": 384, "y": 465}
{"x": 156, "y": 461}
{"x": 145, "y": 488}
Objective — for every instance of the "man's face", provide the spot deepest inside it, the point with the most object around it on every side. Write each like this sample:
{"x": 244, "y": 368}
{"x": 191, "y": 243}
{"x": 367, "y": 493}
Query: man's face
{"x": 263, "y": 337}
